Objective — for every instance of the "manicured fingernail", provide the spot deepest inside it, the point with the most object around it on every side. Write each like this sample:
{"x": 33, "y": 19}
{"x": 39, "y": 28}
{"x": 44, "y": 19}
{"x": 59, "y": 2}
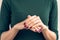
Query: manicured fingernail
{"x": 25, "y": 25}
{"x": 30, "y": 27}
{"x": 35, "y": 30}
{"x": 39, "y": 25}
{"x": 40, "y": 30}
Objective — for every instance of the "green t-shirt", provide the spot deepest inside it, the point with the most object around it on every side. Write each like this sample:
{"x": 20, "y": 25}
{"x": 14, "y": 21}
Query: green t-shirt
{"x": 15, "y": 11}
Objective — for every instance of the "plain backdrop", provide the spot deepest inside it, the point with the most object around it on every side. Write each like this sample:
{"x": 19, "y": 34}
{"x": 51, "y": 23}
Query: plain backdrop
{"x": 59, "y": 17}
{"x": 58, "y": 1}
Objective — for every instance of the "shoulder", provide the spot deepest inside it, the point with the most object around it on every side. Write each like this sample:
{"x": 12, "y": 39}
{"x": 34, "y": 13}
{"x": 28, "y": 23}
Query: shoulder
{"x": 6, "y": 1}
{"x": 53, "y": 1}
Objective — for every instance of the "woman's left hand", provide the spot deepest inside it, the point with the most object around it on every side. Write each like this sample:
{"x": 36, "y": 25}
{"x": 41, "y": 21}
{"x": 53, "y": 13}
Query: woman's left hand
{"x": 35, "y": 24}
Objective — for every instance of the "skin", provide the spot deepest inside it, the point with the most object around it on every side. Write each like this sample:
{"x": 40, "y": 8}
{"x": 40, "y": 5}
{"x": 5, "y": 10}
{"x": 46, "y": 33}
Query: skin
{"x": 33, "y": 23}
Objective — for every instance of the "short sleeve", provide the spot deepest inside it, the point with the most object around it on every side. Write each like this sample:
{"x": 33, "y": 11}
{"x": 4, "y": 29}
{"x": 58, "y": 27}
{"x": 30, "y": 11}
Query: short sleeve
{"x": 53, "y": 18}
{"x": 5, "y": 16}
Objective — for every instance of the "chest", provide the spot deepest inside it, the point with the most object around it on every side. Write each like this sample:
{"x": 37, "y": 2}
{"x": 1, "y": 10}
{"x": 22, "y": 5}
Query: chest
{"x": 22, "y": 8}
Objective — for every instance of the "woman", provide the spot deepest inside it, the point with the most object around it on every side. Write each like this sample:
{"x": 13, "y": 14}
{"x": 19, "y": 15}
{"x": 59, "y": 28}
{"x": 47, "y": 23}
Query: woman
{"x": 40, "y": 20}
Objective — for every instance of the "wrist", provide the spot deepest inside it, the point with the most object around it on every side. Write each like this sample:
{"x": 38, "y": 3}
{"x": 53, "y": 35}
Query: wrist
{"x": 45, "y": 28}
{"x": 14, "y": 28}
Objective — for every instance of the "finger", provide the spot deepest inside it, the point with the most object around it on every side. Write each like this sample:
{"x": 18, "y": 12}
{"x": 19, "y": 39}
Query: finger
{"x": 33, "y": 21}
{"x": 29, "y": 16}
{"x": 36, "y": 25}
{"x": 27, "y": 20}
{"x": 39, "y": 19}
{"x": 38, "y": 29}
{"x": 26, "y": 27}
{"x": 33, "y": 29}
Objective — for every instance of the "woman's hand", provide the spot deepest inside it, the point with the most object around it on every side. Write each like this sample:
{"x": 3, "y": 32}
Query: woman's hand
{"x": 35, "y": 24}
{"x": 21, "y": 25}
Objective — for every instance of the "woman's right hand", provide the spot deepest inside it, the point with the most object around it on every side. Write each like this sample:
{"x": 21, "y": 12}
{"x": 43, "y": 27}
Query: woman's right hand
{"x": 19, "y": 26}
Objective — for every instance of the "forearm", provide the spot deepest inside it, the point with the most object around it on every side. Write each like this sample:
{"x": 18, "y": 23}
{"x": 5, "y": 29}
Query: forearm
{"x": 0, "y": 38}
{"x": 9, "y": 35}
{"x": 48, "y": 34}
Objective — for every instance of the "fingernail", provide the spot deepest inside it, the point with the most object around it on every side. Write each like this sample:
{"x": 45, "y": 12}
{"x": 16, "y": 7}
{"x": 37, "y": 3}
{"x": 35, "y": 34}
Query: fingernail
{"x": 39, "y": 25}
{"x": 35, "y": 30}
{"x": 30, "y": 27}
{"x": 40, "y": 30}
{"x": 25, "y": 25}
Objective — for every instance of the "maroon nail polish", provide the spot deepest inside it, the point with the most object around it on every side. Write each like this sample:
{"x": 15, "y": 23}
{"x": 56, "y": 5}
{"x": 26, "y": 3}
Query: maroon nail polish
{"x": 40, "y": 30}
{"x": 25, "y": 25}
{"x": 39, "y": 25}
{"x": 35, "y": 30}
{"x": 30, "y": 27}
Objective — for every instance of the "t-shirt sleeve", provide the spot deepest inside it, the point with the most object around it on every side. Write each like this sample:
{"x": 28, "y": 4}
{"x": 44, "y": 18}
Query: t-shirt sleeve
{"x": 53, "y": 18}
{"x": 4, "y": 16}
